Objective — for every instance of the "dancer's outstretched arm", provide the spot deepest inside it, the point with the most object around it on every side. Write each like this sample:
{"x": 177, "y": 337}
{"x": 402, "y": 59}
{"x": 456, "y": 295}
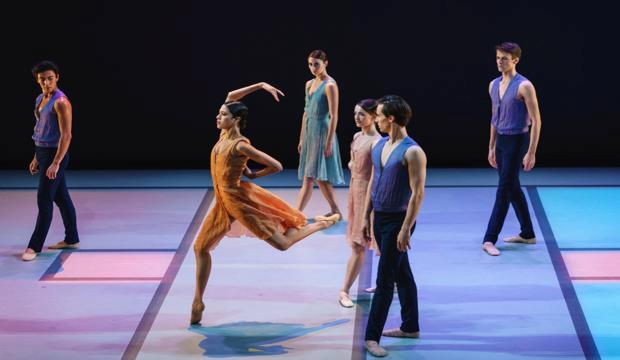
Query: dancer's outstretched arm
{"x": 271, "y": 165}
{"x": 239, "y": 94}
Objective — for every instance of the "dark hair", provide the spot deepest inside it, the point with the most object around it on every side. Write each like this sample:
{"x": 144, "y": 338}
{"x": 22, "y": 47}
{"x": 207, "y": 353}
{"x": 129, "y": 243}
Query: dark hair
{"x": 44, "y": 66}
{"x": 318, "y": 54}
{"x": 511, "y": 48}
{"x": 369, "y": 105}
{"x": 396, "y": 106}
{"x": 238, "y": 109}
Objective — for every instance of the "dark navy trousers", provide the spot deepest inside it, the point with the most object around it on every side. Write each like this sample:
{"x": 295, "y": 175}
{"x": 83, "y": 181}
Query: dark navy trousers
{"x": 393, "y": 268}
{"x": 49, "y": 192}
{"x": 509, "y": 153}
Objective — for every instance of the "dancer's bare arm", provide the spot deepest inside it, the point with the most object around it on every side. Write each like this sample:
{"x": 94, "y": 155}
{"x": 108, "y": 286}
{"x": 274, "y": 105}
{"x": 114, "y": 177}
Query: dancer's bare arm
{"x": 366, "y": 230}
{"x": 416, "y": 167}
{"x": 331, "y": 90}
{"x": 62, "y": 107}
{"x": 271, "y": 165}
{"x": 239, "y": 94}
{"x": 304, "y": 118}
{"x": 492, "y": 137}
{"x": 527, "y": 91}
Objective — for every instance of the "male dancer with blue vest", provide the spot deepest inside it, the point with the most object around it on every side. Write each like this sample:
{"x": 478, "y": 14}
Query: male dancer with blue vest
{"x": 52, "y": 136}
{"x": 515, "y": 131}
{"x": 395, "y": 193}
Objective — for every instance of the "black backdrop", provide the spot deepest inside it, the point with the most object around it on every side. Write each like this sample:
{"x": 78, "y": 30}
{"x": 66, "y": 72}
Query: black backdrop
{"x": 147, "y": 78}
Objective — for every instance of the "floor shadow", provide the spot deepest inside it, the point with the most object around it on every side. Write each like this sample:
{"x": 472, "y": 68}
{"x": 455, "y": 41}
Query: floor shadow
{"x": 253, "y": 338}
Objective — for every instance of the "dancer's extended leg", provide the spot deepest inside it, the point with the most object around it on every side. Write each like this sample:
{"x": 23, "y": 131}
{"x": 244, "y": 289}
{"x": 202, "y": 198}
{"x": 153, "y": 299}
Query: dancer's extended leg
{"x": 284, "y": 241}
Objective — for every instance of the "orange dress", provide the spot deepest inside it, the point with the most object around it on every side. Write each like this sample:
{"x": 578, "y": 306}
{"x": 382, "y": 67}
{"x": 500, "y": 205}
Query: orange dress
{"x": 258, "y": 210}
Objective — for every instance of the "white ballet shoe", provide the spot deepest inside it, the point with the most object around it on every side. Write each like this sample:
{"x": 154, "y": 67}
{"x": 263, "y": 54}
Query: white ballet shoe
{"x": 375, "y": 349}
{"x": 29, "y": 256}
{"x": 490, "y": 248}
{"x": 345, "y": 300}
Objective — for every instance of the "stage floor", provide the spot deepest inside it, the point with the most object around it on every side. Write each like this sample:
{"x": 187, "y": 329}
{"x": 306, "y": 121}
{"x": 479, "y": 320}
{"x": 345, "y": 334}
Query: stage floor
{"x": 127, "y": 292}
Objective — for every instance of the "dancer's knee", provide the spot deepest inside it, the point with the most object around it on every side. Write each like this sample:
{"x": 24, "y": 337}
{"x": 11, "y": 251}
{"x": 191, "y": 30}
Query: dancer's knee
{"x": 202, "y": 248}
{"x": 358, "y": 250}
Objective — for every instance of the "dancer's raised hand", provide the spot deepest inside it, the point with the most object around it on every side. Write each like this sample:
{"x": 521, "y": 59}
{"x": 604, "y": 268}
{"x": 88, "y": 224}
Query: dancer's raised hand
{"x": 272, "y": 90}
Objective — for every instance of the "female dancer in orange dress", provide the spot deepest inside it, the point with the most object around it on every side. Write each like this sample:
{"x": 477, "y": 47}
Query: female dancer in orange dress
{"x": 267, "y": 216}
{"x": 360, "y": 166}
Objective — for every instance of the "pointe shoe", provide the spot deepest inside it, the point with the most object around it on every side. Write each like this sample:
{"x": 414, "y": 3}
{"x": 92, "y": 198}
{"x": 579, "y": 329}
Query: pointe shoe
{"x": 398, "y": 333}
{"x": 63, "y": 245}
{"x": 329, "y": 220}
{"x": 519, "y": 240}
{"x": 197, "y": 310}
{"x": 29, "y": 256}
{"x": 490, "y": 248}
{"x": 345, "y": 300}
{"x": 329, "y": 217}
{"x": 375, "y": 349}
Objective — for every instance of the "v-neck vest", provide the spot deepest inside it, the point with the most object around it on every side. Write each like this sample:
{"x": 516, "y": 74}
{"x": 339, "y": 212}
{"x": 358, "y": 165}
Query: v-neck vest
{"x": 510, "y": 114}
{"x": 390, "y": 189}
{"x": 46, "y": 129}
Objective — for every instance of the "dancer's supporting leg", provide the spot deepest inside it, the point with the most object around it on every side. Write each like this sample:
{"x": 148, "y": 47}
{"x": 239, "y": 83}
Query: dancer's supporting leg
{"x": 213, "y": 229}
{"x": 328, "y": 193}
{"x": 305, "y": 193}
{"x": 213, "y": 234}
{"x": 354, "y": 266}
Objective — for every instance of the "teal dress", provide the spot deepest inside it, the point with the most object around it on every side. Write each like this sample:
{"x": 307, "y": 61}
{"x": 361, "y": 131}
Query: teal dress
{"x": 312, "y": 160}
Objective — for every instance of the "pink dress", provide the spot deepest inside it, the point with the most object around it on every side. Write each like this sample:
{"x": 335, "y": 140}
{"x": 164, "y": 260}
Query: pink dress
{"x": 361, "y": 169}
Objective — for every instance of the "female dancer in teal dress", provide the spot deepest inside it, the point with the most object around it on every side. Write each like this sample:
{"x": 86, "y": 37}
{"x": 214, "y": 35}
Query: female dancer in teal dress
{"x": 319, "y": 154}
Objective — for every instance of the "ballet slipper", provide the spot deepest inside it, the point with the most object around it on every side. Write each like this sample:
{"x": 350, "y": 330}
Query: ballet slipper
{"x": 345, "y": 300}
{"x": 519, "y": 240}
{"x": 398, "y": 333}
{"x": 63, "y": 245}
{"x": 29, "y": 255}
{"x": 490, "y": 248}
{"x": 375, "y": 349}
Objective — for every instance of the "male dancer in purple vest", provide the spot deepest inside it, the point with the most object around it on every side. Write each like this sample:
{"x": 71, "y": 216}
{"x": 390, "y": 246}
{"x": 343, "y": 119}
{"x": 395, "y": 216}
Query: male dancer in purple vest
{"x": 515, "y": 131}
{"x": 52, "y": 136}
{"x": 395, "y": 193}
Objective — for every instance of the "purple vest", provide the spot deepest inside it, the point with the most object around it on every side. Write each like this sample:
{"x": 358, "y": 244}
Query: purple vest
{"x": 46, "y": 130}
{"x": 510, "y": 114}
{"x": 390, "y": 189}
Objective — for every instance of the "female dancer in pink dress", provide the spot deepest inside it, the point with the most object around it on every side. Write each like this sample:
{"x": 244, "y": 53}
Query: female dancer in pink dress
{"x": 360, "y": 166}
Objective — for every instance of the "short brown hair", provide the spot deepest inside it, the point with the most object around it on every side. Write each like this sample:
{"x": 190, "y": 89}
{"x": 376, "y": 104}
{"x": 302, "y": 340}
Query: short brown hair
{"x": 511, "y": 48}
{"x": 396, "y": 106}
